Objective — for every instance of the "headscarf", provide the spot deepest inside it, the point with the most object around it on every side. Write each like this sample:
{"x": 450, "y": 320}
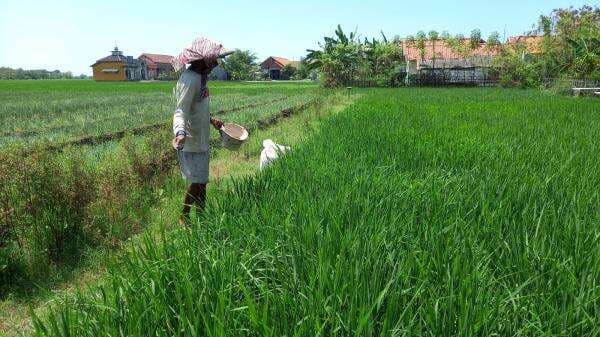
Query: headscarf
{"x": 201, "y": 48}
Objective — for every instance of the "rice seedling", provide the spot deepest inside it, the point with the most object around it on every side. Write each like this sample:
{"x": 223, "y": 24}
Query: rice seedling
{"x": 417, "y": 212}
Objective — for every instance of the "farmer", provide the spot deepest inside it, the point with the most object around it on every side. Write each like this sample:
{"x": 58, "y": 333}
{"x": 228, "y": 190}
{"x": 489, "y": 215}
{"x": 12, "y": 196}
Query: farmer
{"x": 191, "y": 121}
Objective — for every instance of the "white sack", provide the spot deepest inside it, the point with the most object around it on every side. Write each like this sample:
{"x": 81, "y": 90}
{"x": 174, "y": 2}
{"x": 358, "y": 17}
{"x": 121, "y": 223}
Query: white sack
{"x": 271, "y": 152}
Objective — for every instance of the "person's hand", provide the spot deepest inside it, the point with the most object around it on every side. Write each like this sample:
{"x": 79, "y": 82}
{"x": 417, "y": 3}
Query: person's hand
{"x": 178, "y": 142}
{"x": 216, "y": 123}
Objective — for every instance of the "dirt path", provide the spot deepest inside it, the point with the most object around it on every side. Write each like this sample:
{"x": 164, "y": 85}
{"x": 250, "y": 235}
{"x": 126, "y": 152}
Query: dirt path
{"x": 290, "y": 130}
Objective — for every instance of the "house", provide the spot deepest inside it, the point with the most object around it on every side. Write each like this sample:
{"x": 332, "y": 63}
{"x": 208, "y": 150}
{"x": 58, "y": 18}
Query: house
{"x": 271, "y": 67}
{"x": 157, "y": 64}
{"x": 441, "y": 62}
{"x": 117, "y": 67}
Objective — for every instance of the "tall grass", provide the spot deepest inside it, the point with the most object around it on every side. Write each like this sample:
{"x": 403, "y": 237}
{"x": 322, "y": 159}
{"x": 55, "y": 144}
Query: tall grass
{"x": 57, "y": 205}
{"x": 417, "y": 212}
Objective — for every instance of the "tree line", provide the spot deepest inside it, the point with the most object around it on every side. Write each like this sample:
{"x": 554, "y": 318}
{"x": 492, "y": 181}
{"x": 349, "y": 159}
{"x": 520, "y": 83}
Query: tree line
{"x": 7, "y": 73}
{"x": 243, "y": 65}
{"x": 569, "y": 48}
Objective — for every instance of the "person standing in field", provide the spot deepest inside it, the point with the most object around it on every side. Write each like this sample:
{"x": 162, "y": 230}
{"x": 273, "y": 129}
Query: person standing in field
{"x": 192, "y": 120}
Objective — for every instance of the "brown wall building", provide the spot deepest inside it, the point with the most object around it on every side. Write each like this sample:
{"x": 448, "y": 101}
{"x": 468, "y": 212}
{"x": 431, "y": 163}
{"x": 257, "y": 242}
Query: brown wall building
{"x": 117, "y": 67}
{"x": 272, "y": 66}
{"x": 157, "y": 64}
{"x": 109, "y": 71}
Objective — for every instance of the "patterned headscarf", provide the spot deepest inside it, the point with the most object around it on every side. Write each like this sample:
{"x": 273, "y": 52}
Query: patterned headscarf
{"x": 201, "y": 48}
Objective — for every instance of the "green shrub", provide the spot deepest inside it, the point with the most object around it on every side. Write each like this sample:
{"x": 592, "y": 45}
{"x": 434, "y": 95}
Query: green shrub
{"x": 287, "y": 72}
{"x": 515, "y": 70}
{"x": 345, "y": 60}
{"x": 62, "y": 204}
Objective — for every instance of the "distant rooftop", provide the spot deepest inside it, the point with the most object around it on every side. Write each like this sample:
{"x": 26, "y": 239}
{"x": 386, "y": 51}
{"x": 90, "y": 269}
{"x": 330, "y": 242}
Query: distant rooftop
{"x": 441, "y": 49}
{"x": 158, "y": 58}
{"x": 116, "y": 55}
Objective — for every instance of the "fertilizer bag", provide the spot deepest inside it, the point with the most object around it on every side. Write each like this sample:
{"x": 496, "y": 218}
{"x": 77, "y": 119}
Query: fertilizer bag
{"x": 271, "y": 152}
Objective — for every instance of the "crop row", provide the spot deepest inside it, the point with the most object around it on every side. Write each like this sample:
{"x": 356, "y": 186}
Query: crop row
{"x": 248, "y": 115}
{"x": 129, "y": 113}
{"x": 95, "y": 127}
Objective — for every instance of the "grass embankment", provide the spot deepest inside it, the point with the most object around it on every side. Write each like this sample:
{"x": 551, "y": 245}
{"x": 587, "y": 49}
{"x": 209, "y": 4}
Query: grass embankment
{"x": 163, "y": 211}
{"x": 415, "y": 212}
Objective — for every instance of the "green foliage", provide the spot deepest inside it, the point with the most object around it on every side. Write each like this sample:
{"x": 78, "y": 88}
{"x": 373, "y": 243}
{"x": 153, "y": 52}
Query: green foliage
{"x": 344, "y": 60}
{"x": 39, "y": 113}
{"x": 241, "y": 65}
{"x": 493, "y": 40}
{"x": 421, "y": 39}
{"x": 570, "y": 47}
{"x": 433, "y": 35}
{"x": 443, "y": 214}
{"x": 302, "y": 72}
{"x": 475, "y": 38}
{"x": 55, "y": 211}
{"x": 39, "y": 74}
{"x": 385, "y": 63}
{"x": 288, "y": 71}
{"x": 515, "y": 70}
{"x": 571, "y": 42}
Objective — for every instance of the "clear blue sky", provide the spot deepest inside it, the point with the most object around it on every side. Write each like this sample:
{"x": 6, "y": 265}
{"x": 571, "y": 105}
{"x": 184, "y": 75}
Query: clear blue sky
{"x": 70, "y": 35}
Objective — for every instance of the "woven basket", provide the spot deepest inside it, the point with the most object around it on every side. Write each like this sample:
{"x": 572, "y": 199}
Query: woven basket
{"x": 233, "y": 136}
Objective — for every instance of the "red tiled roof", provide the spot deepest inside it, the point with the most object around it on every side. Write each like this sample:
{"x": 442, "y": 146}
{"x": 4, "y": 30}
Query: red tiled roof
{"x": 158, "y": 58}
{"x": 281, "y": 60}
{"x": 442, "y": 50}
{"x": 533, "y": 44}
{"x": 278, "y": 61}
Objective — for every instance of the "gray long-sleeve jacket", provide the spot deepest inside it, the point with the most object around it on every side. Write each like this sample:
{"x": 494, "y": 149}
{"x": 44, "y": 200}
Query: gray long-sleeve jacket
{"x": 192, "y": 113}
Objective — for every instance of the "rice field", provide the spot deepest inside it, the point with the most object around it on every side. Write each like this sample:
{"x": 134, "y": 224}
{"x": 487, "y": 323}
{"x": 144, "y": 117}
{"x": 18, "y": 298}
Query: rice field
{"x": 414, "y": 212}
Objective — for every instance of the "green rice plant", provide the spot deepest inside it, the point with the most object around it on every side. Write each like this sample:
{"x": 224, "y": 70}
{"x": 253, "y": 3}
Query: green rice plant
{"x": 417, "y": 212}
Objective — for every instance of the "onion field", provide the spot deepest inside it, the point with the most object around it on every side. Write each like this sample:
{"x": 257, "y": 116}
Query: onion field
{"x": 413, "y": 212}
{"x": 81, "y": 163}
{"x": 75, "y": 110}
